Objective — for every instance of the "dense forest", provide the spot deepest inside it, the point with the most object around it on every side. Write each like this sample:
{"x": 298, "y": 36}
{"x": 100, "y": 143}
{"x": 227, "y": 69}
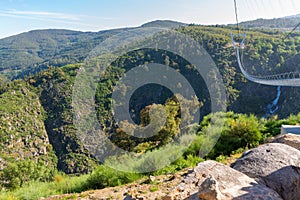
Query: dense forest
{"x": 38, "y": 137}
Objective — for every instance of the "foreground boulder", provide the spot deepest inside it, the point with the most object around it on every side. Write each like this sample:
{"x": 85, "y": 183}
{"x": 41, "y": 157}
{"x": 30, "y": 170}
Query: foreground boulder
{"x": 292, "y": 140}
{"x": 211, "y": 180}
{"x": 274, "y": 165}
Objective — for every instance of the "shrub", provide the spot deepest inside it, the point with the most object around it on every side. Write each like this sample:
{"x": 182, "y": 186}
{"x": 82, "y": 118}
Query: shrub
{"x": 16, "y": 174}
{"x": 7, "y": 197}
{"x": 234, "y": 131}
{"x": 240, "y": 131}
{"x": 104, "y": 176}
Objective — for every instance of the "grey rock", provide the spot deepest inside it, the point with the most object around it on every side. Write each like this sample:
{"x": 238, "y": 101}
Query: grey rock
{"x": 152, "y": 178}
{"x": 275, "y": 165}
{"x": 216, "y": 181}
{"x": 292, "y": 140}
{"x": 209, "y": 189}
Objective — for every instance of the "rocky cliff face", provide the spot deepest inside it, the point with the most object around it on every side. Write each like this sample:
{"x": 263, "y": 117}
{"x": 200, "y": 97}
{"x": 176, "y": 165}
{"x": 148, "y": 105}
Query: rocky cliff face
{"x": 55, "y": 94}
{"x": 36, "y": 122}
{"x": 22, "y": 131}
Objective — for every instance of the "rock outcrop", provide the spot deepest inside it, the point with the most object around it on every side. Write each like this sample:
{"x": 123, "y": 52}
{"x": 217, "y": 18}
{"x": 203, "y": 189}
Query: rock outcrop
{"x": 211, "y": 180}
{"x": 55, "y": 97}
{"x": 292, "y": 140}
{"x": 22, "y": 130}
{"x": 275, "y": 165}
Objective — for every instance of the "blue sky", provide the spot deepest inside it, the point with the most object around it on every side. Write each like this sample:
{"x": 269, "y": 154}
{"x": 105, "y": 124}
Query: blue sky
{"x": 18, "y": 16}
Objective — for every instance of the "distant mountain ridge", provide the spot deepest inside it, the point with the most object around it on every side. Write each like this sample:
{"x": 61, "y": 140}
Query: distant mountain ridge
{"x": 30, "y": 52}
{"x": 164, "y": 23}
{"x": 294, "y": 16}
{"x": 284, "y": 23}
{"x": 34, "y": 50}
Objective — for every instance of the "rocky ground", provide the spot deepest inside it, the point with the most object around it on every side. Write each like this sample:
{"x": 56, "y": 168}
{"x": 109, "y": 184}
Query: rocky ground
{"x": 270, "y": 171}
{"x": 148, "y": 188}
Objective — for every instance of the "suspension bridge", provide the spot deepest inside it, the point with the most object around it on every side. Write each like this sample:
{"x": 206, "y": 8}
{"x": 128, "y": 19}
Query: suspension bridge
{"x": 283, "y": 79}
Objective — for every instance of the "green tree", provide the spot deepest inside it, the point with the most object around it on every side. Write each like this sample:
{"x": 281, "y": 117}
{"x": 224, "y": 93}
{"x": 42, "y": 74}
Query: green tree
{"x": 16, "y": 174}
{"x": 246, "y": 128}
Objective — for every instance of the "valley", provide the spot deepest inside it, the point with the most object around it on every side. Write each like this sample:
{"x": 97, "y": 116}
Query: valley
{"x": 39, "y": 142}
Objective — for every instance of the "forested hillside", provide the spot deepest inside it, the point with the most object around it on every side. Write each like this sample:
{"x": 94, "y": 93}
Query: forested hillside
{"x": 37, "y": 116}
{"x": 37, "y": 50}
{"x": 33, "y": 51}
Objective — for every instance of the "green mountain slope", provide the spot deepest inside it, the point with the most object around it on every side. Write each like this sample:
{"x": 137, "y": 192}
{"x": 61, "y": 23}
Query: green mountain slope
{"x": 36, "y": 50}
{"x": 23, "y": 137}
